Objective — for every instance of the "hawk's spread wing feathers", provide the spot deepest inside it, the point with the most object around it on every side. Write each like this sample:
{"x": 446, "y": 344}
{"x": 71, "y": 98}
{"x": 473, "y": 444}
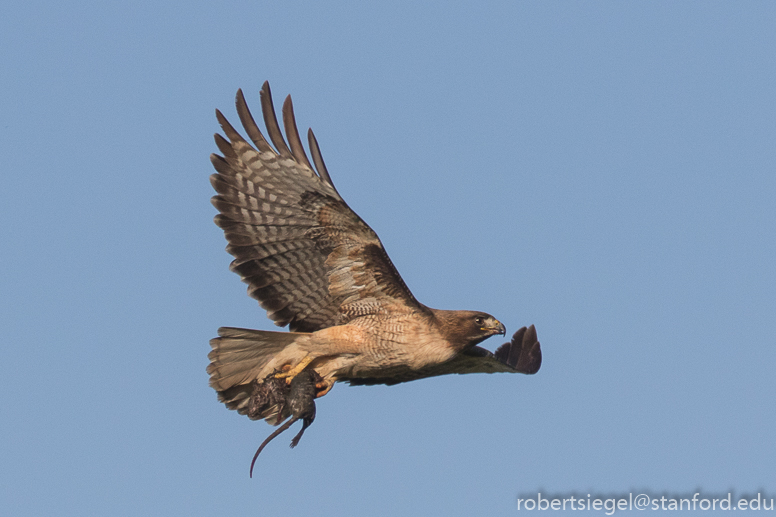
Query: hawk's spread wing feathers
{"x": 308, "y": 259}
{"x": 522, "y": 354}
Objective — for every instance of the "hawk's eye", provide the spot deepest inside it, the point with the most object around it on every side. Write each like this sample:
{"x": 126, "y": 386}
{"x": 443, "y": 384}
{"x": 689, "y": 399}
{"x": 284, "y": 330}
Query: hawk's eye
{"x": 479, "y": 321}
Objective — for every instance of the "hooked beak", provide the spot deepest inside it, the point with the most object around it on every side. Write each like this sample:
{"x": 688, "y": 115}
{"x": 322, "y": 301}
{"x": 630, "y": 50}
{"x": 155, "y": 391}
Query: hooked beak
{"x": 495, "y": 327}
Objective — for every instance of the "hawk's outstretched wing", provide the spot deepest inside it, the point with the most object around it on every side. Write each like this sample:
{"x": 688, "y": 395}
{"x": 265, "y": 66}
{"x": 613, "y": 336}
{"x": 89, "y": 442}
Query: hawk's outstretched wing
{"x": 521, "y": 355}
{"x": 308, "y": 259}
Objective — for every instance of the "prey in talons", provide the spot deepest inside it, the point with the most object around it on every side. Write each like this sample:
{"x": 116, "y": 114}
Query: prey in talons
{"x": 298, "y": 398}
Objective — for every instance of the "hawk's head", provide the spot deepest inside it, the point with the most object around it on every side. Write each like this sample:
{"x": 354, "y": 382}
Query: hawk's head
{"x": 464, "y": 329}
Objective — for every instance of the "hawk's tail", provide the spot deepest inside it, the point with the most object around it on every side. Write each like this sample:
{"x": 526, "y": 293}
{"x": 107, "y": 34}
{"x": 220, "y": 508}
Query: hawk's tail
{"x": 238, "y": 357}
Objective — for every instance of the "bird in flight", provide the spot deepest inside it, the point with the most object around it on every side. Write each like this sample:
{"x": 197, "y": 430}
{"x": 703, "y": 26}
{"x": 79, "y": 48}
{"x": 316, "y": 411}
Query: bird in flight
{"x": 315, "y": 266}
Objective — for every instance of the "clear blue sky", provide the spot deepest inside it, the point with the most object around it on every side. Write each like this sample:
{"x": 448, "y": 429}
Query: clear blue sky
{"x": 603, "y": 170}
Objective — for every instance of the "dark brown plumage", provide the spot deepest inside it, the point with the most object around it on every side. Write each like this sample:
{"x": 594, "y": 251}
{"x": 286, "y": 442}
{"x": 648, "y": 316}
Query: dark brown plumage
{"x": 316, "y": 266}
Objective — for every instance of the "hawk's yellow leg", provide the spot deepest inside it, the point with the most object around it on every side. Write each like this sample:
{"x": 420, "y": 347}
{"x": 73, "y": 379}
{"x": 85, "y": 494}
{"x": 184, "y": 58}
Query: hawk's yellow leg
{"x": 296, "y": 370}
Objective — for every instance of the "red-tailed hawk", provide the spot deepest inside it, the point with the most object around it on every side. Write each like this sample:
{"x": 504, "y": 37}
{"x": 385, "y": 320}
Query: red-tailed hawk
{"x": 316, "y": 266}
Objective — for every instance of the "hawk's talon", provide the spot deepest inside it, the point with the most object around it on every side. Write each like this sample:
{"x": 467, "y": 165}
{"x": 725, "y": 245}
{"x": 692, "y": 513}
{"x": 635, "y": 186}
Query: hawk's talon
{"x": 325, "y": 386}
{"x": 291, "y": 372}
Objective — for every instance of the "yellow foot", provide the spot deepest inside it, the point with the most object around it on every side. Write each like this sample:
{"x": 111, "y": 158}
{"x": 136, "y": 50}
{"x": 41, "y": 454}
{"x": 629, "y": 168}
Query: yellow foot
{"x": 325, "y": 386}
{"x": 289, "y": 375}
